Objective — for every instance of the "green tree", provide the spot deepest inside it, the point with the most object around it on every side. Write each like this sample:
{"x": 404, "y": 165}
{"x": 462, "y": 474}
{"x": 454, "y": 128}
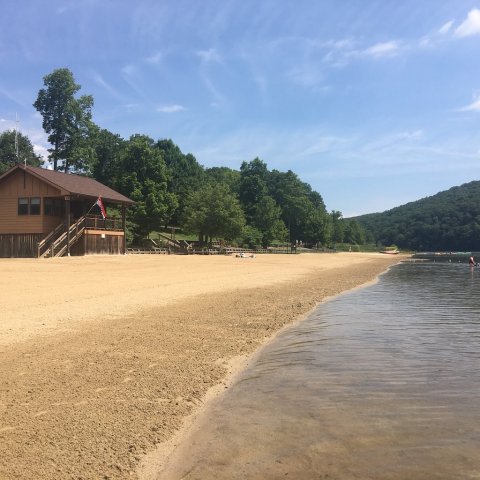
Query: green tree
{"x": 266, "y": 218}
{"x": 213, "y": 212}
{"x": 338, "y": 227}
{"x": 224, "y": 175}
{"x": 353, "y": 232}
{"x": 185, "y": 174}
{"x": 296, "y": 200}
{"x": 253, "y": 185}
{"x": 143, "y": 177}
{"x": 8, "y": 152}
{"x": 66, "y": 120}
{"x": 318, "y": 227}
{"x": 108, "y": 152}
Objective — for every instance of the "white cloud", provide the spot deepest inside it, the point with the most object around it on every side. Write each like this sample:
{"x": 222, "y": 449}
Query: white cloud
{"x": 384, "y": 49}
{"x": 472, "y": 107}
{"x": 41, "y": 150}
{"x": 470, "y": 26}
{"x": 209, "y": 56}
{"x": 170, "y": 108}
{"x": 129, "y": 70}
{"x": 155, "y": 58}
{"x": 445, "y": 28}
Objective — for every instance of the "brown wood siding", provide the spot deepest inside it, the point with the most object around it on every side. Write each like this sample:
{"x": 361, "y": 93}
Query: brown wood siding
{"x": 94, "y": 244}
{"x": 19, "y": 246}
{"x": 21, "y": 184}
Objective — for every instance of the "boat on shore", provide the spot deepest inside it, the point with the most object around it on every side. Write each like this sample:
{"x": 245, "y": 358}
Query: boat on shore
{"x": 391, "y": 252}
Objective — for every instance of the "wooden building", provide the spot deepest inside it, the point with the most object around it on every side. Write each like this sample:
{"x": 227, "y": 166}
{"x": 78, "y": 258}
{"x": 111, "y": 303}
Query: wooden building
{"x": 45, "y": 213}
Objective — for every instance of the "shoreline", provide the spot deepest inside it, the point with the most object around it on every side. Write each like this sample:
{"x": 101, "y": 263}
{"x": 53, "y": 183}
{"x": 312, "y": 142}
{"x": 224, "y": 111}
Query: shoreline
{"x": 155, "y": 463}
{"x": 95, "y": 398}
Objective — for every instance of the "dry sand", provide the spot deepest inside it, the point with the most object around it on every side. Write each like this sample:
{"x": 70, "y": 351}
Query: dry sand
{"x": 102, "y": 358}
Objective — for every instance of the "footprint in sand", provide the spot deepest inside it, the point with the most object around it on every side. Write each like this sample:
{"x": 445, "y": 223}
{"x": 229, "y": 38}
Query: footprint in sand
{"x": 127, "y": 379}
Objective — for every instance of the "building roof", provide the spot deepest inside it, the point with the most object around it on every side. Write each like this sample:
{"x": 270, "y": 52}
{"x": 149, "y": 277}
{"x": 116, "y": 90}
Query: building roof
{"x": 73, "y": 184}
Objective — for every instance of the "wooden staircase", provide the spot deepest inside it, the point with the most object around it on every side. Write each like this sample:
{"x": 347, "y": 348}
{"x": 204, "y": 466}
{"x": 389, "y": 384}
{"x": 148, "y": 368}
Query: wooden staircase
{"x": 59, "y": 241}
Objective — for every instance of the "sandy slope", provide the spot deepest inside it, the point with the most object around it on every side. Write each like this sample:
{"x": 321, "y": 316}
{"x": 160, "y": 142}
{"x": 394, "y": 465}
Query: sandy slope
{"x": 102, "y": 357}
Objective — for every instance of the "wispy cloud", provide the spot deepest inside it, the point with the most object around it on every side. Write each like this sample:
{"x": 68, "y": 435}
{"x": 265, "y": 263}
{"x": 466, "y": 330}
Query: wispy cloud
{"x": 472, "y": 107}
{"x": 470, "y": 26}
{"x": 307, "y": 76}
{"x": 155, "y": 58}
{"x": 383, "y": 49}
{"x": 170, "y": 108}
{"x": 130, "y": 74}
{"x": 445, "y": 28}
{"x": 14, "y": 97}
{"x": 343, "y": 52}
{"x": 99, "y": 80}
{"x": 209, "y": 56}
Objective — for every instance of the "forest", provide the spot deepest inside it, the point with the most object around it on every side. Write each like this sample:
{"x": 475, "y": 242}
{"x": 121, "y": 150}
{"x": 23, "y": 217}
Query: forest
{"x": 447, "y": 221}
{"x": 251, "y": 207}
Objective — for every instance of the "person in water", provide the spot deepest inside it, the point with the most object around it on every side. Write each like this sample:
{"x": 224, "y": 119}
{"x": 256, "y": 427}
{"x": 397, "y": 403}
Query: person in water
{"x": 471, "y": 261}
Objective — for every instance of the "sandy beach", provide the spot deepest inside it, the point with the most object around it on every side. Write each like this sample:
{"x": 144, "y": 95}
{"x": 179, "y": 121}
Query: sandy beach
{"x": 102, "y": 358}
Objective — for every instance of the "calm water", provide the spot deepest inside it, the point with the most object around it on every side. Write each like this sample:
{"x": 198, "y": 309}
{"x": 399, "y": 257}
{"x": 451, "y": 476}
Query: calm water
{"x": 379, "y": 383}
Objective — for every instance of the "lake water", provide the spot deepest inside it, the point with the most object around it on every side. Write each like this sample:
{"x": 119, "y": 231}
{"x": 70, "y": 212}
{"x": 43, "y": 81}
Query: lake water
{"x": 379, "y": 383}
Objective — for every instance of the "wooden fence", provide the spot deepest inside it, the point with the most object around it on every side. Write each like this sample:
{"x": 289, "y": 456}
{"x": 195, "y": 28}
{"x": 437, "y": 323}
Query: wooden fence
{"x": 19, "y": 245}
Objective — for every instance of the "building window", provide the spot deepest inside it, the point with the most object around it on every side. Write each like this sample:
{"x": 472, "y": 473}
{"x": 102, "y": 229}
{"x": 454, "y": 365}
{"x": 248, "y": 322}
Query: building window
{"x": 53, "y": 207}
{"x": 29, "y": 206}
{"x": 23, "y": 206}
{"x": 35, "y": 206}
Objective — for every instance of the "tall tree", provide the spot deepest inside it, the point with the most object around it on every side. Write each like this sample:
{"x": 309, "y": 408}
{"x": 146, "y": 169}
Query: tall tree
{"x": 185, "y": 174}
{"x": 66, "y": 120}
{"x": 253, "y": 185}
{"x": 266, "y": 218}
{"x": 8, "y": 151}
{"x": 338, "y": 226}
{"x": 225, "y": 175}
{"x": 108, "y": 151}
{"x": 214, "y": 212}
{"x": 143, "y": 177}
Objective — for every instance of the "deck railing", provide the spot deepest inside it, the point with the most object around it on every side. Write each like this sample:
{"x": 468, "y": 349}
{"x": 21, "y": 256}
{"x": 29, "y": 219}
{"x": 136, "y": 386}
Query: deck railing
{"x": 97, "y": 222}
{"x": 44, "y": 245}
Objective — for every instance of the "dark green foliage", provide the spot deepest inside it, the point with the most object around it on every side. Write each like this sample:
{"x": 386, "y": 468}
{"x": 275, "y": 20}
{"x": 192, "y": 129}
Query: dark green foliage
{"x": 224, "y": 175}
{"x": 8, "y": 156}
{"x": 186, "y": 175}
{"x": 172, "y": 188}
{"x": 299, "y": 204}
{"x": 108, "y": 151}
{"x": 266, "y": 219}
{"x": 143, "y": 177}
{"x": 447, "y": 221}
{"x": 253, "y": 185}
{"x": 213, "y": 212}
{"x": 67, "y": 121}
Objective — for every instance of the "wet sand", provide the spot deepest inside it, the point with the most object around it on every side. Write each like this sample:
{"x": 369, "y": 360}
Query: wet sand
{"x": 102, "y": 358}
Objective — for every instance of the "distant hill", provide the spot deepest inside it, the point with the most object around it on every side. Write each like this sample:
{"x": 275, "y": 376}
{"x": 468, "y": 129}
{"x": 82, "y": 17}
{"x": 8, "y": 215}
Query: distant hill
{"x": 447, "y": 221}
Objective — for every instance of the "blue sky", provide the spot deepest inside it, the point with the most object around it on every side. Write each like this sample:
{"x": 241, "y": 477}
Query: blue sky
{"x": 374, "y": 103}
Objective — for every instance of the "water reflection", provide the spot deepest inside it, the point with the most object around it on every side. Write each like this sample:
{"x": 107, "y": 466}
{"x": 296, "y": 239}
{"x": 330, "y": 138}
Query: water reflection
{"x": 380, "y": 383}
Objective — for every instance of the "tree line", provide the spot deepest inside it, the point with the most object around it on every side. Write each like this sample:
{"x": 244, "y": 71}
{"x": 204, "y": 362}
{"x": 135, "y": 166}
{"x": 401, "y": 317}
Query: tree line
{"x": 252, "y": 206}
{"x": 447, "y": 221}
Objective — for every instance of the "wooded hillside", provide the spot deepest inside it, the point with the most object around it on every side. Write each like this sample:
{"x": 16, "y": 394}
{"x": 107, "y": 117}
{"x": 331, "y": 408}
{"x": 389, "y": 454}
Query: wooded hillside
{"x": 447, "y": 221}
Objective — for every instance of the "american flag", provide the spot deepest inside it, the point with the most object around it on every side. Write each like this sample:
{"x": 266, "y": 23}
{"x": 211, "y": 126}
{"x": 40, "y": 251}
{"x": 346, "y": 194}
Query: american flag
{"x": 102, "y": 208}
